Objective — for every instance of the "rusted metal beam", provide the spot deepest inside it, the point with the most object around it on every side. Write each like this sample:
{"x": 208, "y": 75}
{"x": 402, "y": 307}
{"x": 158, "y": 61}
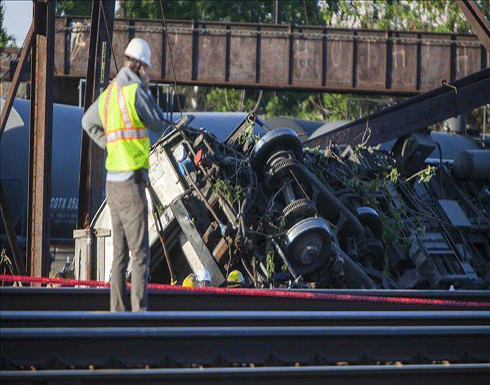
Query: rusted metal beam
{"x": 21, "y": 66}
{"x": 413, "y": 114}
{"x": 98, "y": 74}
{"x": 40, "y": 139}
{"x": 479, "y": 23}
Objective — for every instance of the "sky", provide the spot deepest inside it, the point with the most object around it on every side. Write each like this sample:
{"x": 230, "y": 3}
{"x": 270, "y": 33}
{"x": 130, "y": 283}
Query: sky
{"x": 17, "y": 18}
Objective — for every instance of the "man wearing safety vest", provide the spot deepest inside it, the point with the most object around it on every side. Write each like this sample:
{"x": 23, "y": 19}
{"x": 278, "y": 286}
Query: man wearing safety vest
{"x": 118, "y": 121}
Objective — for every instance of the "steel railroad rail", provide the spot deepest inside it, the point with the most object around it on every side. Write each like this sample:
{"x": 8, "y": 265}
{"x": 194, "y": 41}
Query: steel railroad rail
{"x": 210, "y": 346}
{"x": 83, "y": 319}
{"x": 453, "y": 374}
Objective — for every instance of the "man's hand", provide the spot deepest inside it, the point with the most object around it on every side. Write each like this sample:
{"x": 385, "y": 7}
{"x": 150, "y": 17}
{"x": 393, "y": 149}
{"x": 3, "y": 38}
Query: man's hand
{"x": 144, "y": 77}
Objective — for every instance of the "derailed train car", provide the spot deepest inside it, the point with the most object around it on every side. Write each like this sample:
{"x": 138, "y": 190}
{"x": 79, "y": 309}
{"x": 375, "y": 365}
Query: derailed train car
{"x": 415, "y": 214}
{"x": 410, "y": 217}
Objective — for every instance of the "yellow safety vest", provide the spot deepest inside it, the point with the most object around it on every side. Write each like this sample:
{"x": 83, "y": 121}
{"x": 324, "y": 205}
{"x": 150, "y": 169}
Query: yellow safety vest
{"x": 127, "y": 141}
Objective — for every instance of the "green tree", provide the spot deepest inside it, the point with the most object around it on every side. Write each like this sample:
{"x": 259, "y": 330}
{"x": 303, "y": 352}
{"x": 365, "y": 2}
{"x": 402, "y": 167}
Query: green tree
{"x": 250, "y": 11}
{"x": 74, "y": 7}
{"x": 222, "y": 99}
{"x": 6, "y": 40}
{"x": 420, "y": 15}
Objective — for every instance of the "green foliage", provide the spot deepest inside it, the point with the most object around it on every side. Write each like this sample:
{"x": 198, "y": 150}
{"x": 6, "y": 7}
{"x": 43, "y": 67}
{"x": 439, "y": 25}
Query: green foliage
{"x": 231, "y": 99}
{"x": 242, "y": 11}
{"x": 231, "y": 193}
{"x": 74, "y": 7}
{"x": 421, "y": 15}
{"x": 248, "y": 134}
{"x": 146, "y": 9}
{"x": 287, "y": 104}
{"x": 250, "y": 11}
{"x": 353, "y": 182}
{"x": 337, "y": 106}
{"x": 217, "y": 99}
{"x": 269, "y": 258}
{"x": 411, "y": 15}
{"x": 6, "y": 40}
{"x": 424, "y": 175}
{"x": 392, "y": 175}
{"x": 304, "y": 12}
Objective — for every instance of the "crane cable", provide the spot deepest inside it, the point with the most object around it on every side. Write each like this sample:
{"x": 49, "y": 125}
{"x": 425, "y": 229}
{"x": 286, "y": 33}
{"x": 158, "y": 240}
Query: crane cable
{"x": 109, "y": 36}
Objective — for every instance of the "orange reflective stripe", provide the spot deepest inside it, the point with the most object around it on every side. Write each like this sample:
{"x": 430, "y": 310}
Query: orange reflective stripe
{"x": 106, "y": 104}
{"x": 123, "y": 109}
{"x": 121, "y": 134}
{"x": 123, "y": 112}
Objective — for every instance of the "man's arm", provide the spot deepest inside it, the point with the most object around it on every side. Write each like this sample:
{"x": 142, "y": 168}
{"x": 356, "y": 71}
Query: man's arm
{"x": 92, "y": 125}
{"x": 149, "y": 111}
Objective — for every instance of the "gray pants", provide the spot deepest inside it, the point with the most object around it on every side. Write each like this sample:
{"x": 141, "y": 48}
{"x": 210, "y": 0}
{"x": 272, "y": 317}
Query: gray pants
{"x": 129, "y": 214}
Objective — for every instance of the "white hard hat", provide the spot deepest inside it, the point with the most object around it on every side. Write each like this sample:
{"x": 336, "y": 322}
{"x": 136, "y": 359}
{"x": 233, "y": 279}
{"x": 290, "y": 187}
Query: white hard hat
{"x": 203, "y": 276}
{"x": 140, "y": 50}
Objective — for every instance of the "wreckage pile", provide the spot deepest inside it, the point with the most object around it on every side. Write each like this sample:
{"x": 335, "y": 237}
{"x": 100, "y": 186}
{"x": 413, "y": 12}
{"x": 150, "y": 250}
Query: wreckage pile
{"x": 288, "y": 216}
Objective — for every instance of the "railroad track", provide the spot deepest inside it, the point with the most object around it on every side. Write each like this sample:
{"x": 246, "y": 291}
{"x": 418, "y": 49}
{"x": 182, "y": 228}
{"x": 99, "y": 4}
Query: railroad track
{"x": 82, "y": 319}
{"x": 327, "y": 340}
{"x": 208, "y": 346}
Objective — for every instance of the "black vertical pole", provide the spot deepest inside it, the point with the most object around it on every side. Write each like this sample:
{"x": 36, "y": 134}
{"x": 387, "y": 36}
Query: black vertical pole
{"x": 277, "y": 11}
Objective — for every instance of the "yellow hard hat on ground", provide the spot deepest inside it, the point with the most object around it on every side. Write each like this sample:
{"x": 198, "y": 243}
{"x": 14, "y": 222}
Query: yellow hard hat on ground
{"x": 235, "y": 279}
{"x": 190, "y": 281}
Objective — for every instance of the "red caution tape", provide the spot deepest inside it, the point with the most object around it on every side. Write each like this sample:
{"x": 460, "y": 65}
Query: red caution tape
{"x": 52, "y": 281}
{"x": 256, "y": 292}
